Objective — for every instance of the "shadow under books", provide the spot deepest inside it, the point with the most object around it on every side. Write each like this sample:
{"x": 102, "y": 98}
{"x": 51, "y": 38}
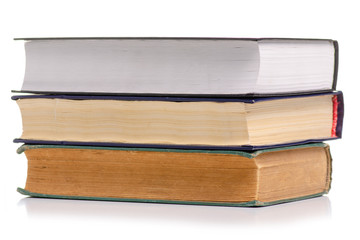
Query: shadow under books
{"x": 316, "y": 208}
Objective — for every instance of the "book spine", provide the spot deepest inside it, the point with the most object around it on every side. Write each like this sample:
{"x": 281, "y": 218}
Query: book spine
{"x": 329, "y": 169}
{"x": 336, "y": 64}
{"x": 335, "y": 115}
{"x": 340, "y": 113}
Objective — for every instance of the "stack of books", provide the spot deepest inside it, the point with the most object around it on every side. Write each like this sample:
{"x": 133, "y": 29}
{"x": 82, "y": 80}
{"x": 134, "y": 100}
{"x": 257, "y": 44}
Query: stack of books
{"x": 214, "y": 121}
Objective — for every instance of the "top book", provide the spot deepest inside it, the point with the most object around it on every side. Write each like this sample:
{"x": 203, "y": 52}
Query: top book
{"x": 180, "y": 66}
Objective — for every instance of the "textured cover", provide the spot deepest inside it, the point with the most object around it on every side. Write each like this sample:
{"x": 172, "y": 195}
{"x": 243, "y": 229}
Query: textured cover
{"x": 246, "y": 154}
{"x": 169, "y": 98}
{"x": 340, "y": 115}
{"x": 228, "y": 204}
{"x": 254, "y": 203}
{"x": 174, "y": 147}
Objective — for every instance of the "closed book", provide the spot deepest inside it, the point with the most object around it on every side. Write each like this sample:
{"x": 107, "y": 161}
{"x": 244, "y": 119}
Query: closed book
{"x": 174, "y": 122}
{"x": 180, "y": 66}
{"x": 209, "y": 177}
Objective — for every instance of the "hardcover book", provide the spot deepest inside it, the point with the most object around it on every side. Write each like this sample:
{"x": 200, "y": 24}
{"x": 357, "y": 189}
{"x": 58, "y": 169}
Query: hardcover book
{"x": 173, "y": 122}
{"x": 180, "y": 66}
{"x": 210, "y": 177}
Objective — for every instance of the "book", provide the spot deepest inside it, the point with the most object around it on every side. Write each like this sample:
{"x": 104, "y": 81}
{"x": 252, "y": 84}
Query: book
{"x": 180, "y": 66}
{"x": 173, "y": 122}
{"x": 209, "y": 177}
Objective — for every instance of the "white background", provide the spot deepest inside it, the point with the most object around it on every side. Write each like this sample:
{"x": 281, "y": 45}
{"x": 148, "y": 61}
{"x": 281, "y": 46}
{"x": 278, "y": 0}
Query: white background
{"x": 332, "y": 217}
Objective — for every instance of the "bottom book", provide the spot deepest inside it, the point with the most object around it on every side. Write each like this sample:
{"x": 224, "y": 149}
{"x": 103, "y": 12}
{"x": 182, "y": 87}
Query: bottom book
{"x": 227, "y": 178}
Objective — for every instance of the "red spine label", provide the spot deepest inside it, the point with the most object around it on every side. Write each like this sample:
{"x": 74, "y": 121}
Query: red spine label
{"x": 335, "y": 116}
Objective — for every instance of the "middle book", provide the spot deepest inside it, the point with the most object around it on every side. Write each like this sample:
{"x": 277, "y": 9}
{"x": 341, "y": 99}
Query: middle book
{"x": 173, "y": 122}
